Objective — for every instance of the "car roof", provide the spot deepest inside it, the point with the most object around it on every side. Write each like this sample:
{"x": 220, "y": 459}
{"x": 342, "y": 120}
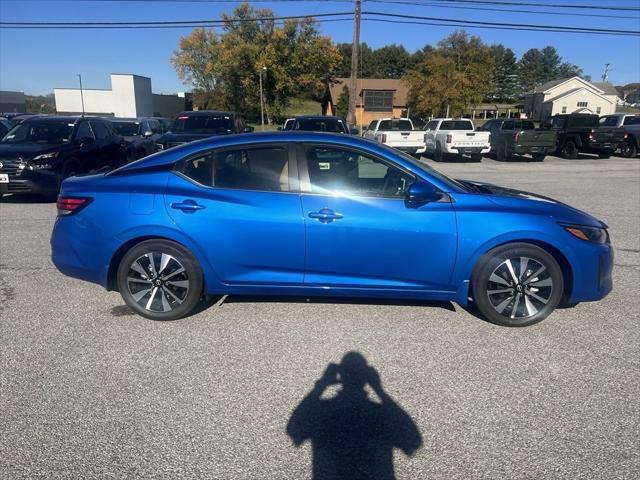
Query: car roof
{"x": 316, "y": 117}
{"x": 198, "y": 113}
{"x": 69, "y": 118}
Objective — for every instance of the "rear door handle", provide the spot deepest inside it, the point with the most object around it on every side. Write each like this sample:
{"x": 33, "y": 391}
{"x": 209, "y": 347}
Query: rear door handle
{"x": 187, "y": 206}
{"x": 325, "y": 215}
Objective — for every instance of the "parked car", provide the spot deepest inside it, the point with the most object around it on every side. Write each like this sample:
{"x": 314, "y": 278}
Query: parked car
{"x": 223, "y": 216}
{"x": 190, "y": 126}
{"x": 5, "y": 126}
{"x": 322, "y": 123}
{"x": 580, "y": 133}
{"x": 397, "y": 133}
{"x": 37, "y": 154}
{"x": 509, "y": 136}
{"x": 455, "y": 136}
{"x": 630, "y": 125}
{"x": 288, "y": 124}
{"x": 141, "y": 135}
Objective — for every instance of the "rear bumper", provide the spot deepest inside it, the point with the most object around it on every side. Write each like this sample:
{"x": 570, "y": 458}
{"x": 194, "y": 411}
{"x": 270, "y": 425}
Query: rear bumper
{"x": 461, "y": 150}
{"x": 529, "y": 149}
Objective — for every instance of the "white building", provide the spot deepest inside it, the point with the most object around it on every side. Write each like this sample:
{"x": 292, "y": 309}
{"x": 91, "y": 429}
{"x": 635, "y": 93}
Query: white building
{"x": 129, "y": 96}
{"x": 570, "y": 95}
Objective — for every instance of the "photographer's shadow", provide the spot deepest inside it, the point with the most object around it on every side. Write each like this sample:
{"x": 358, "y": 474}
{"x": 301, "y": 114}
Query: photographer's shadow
{"x": 352, "y": 436}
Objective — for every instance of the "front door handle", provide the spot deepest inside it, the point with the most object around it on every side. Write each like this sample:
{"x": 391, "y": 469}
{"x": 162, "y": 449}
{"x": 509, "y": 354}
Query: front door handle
{"x": 325, "y": 215}
{"x": 187, "y": 206}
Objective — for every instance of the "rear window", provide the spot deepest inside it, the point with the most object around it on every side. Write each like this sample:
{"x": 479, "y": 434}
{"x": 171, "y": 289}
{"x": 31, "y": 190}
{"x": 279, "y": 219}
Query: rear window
{"x": 203, "y": 124}
{"x": 456, "y": 125}
{"x": 126, "y": 129}
{"x": 320, "y": 125}
{"x": 395, "y": 125}
{"x": 635, "y": 120}
{"x": 528, "y": 125}
{"x": 583, "y": 121}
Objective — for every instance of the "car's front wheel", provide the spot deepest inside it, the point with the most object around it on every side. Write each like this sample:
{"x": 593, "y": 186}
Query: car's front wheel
{"x": 516, "y": 285}
{"x": 160, "y": 280}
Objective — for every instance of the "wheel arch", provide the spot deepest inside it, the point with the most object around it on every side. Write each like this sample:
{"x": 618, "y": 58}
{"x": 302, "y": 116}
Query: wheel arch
{"x": 116, "y": 258}
{"x": 556, "y": 253}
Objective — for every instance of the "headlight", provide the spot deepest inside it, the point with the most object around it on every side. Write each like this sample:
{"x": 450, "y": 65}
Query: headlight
{"x": 45, "y": 156}
{"x": 39, "y": 166}
{"x": 590, "y": 234}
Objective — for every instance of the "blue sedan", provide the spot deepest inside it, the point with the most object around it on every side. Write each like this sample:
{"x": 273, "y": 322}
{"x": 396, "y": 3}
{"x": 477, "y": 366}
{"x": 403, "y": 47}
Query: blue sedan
{"x": 301, "y": 213}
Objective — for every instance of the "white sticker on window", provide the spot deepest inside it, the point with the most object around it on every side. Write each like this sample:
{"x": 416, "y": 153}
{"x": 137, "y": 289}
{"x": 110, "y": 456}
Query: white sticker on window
{"x": 324, "y": 165}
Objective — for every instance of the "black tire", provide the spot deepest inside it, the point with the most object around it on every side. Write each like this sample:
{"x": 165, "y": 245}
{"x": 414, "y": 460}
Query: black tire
{"x": 476, "y": 157}
{"x": 538, "y": 157}
{"x": 139, "y": 285}
{"x": 605, "y": 155}
{"x": 437, "y": 155}
{"x": 629, "y": 149}
{"x": 569, "y": 150}
{"x": 504, "y": 302}
{"x": 502, "y": 152}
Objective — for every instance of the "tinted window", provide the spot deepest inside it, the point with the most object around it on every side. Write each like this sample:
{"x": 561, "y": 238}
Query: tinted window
{"x": 635, "y": 120}
{"x": 508, "y": 125}
{"x": 56, "y": 132}
{"x": 558, "y": 122}
{"x": 203, "y": 124}
{"x": 100, "y": 130}
{"x": 395, "y": 125}
{"x": 332, "y": 169}
{"x": 84, "y": 130}
{"x": 126, "y": 129}
{"x": 372, "y": 125}
{"x": 432, "y": 125}
{"x": 528, "y": 125}
{"x": 608, "y": 121}
{"x": 456, "y": 125}
{"x": 264, "y": 168}
{"x": 320, "y": 125}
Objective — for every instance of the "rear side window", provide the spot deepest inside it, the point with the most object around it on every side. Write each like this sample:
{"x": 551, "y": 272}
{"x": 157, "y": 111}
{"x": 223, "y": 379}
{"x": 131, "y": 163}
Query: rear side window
{"x": 608, "y": 121}
{"x": 262, "y": 168}
{"x": 101, "y": 131}
{"x": 456, "y": 125}
{"x": 635, "y": 120}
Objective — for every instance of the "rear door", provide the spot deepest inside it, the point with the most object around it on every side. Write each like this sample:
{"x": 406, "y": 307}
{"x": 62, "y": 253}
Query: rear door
{"x": 360, "y": 234}
{"x": 240, "y": 206}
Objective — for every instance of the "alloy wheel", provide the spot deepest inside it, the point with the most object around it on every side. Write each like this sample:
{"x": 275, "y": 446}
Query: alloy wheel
{"x": 520, "y": 287}
{"x": 158, "y": 282}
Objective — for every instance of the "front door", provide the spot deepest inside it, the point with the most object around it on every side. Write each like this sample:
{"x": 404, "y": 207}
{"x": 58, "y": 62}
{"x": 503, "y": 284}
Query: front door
{"x": 360, "y": 233}
{"x": 240, "y": 206}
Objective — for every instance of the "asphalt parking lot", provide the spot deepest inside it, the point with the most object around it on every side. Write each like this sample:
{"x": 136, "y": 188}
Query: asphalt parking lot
{"x": 90, "y": 390}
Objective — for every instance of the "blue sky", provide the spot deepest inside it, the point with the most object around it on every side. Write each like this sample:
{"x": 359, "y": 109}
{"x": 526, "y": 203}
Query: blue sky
{"x": 37, "y": 61}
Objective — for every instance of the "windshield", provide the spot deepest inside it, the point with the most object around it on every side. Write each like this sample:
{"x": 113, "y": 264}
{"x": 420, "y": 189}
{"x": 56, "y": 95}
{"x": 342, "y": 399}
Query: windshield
{"x": 42, "y": 131}
{"x": 203, "y": 124}
{"x": 320, "y": 125}
{"x": 126, "y": 129}
{"x": 456, "y": 125}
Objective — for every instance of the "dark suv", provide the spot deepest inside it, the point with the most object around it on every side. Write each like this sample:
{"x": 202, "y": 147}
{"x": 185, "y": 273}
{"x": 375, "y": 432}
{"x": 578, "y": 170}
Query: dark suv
{"x": 190, "y": 126}
{"x": 581, "y": 132}
{"x": 321, "y": 123}
{"x": 140, "y": 134}
{"x": 37, "y": 154}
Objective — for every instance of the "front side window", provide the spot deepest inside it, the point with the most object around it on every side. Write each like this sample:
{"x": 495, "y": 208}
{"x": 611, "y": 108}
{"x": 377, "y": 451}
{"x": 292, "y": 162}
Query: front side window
{"x": 261, "y": 168}
{"x": 337, "y": 170}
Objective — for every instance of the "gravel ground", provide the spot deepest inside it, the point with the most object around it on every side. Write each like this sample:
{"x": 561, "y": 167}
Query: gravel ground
{"x": 89, "y": 390}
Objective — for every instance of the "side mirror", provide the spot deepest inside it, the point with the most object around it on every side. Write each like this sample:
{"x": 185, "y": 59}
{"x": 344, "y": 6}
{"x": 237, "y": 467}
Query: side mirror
{"x": 420, "y": 193}
{"x": 247, "y": 130}
{"x": 84, "y": 141}
{"x": 354, "y": 131}
{"x": 147, "y": 133}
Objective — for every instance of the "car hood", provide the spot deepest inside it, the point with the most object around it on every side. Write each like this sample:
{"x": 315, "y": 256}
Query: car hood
{"x": 527, "y": 201}
{"x": 190, "y": 137}
{"x": 25, "y": 151}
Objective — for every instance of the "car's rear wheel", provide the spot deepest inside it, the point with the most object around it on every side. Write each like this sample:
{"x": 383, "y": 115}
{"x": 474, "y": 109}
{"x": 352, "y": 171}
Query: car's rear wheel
{"x": 629, "y": 149}
{"x": 516, "y": 285}
{"x": 160, "y": 280}
{"x": 570, "y": 151}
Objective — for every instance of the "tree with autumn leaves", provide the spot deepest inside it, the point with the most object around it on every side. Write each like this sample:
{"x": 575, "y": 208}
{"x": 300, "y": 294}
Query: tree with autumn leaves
{"x": 224, "y": 69}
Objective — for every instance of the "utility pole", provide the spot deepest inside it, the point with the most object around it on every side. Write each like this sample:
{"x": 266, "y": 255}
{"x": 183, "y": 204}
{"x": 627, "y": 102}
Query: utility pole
{"x": 81, "y": 94}
{"x": 353, "y": 87}
{"x": 263, "y": 69}
{"x": 605, "y": 74}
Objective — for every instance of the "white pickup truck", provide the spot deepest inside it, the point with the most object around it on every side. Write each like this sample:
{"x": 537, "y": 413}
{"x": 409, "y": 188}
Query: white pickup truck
{"x": 397, "y": 133}
{"x": 455, "y": 136}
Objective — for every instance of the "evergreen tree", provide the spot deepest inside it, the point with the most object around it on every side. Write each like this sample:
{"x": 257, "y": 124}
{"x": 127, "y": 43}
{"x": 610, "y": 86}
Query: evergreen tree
{"x": 342, "y": 105}
{"x": 505, "y": 75}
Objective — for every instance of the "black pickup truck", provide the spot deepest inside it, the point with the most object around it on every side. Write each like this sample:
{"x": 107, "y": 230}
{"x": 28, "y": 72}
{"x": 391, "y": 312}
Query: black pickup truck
{"x": 581, "y": 133}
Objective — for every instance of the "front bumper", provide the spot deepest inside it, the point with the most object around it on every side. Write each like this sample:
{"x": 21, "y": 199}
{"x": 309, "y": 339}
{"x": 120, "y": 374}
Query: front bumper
{"x": 40, "y": 182}
{"x": 592, "y": 276}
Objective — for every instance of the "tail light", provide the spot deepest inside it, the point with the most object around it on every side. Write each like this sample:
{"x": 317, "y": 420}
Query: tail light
{"x": 383, "y": 138}
{"x": 516, "y": 137}
{"x": 449, "y": 138}
{"x": 626, "y": 135}
{"x": 592, "y": 137}
{"x": 69, "y": 205}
